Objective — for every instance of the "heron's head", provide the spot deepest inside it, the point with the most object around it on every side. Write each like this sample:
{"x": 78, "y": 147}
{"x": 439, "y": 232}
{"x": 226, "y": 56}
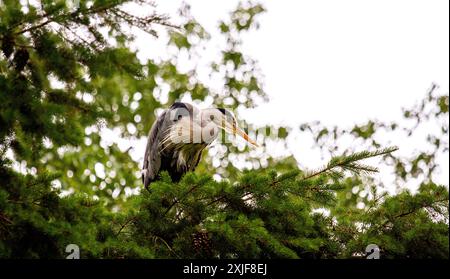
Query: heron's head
{"x": 188, "y": 124}
{"x": 225, "y": 120}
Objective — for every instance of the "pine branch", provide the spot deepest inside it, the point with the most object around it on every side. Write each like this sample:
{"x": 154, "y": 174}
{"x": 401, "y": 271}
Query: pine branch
{"x": 350, "y": 163}
{"x": 126, "y": 224}
{"x": 167, "y": 245}
{"x": 411, "y": 211}
{"x": 182, "y": 198}
{"x": 50, "y": 19}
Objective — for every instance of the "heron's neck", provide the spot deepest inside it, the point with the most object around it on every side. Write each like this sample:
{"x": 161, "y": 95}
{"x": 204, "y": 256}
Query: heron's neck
{"x": 188, "y": 156}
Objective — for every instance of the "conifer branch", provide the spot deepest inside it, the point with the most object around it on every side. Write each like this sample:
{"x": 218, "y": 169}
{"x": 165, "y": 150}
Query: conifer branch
{"x": 6, "y": 219}
{"x": 167, "y": 245}
{"x": 350, "y": 162}
{"x": 182, "y": 198}
{"x": 125, "y": 224}
{"x": 414, "y": 210}
{"x": 88, "y": 11}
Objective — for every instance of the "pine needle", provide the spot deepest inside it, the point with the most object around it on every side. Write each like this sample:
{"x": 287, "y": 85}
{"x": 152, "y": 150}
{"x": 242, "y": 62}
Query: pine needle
{"x": 349, "y": 163}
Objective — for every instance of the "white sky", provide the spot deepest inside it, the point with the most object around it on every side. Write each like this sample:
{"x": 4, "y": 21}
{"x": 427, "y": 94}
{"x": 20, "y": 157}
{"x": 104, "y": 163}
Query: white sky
{"x": 364, "y": 58}
{"x": 367, "y": 58}
{"x": 340, "y": 62}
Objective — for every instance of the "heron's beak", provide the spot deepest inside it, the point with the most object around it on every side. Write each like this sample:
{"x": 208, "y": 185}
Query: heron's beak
{"x": 237, "y": 131}
{"x": 241, "y": 133}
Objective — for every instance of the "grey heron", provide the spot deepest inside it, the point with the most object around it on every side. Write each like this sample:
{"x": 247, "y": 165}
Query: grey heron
{"x": 180, "y": 134}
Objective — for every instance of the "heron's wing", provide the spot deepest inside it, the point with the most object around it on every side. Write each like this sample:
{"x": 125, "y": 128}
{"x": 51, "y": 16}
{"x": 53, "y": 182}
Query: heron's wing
{"x": 152, "y": 157}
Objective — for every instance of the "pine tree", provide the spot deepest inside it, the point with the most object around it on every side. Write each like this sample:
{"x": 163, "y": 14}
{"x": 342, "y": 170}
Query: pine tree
{"x": 68, "y": 72}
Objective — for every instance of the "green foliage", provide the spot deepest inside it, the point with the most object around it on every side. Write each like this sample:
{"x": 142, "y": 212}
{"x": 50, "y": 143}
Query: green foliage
{"x": 406, "y": 226}
{"x": 69, "y": 78}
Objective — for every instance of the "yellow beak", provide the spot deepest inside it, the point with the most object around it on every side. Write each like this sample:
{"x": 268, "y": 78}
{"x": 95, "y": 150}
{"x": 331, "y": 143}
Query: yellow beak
{"x": 241, "y": 133}
{"x": 237, "y": 131}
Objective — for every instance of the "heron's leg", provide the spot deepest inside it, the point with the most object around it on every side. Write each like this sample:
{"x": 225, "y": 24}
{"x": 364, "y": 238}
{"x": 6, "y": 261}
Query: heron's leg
{"x": 148, "y": 188}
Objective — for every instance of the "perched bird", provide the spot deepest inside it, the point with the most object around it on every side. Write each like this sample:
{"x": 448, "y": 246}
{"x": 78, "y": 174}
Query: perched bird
{"x": 178, "y": 137}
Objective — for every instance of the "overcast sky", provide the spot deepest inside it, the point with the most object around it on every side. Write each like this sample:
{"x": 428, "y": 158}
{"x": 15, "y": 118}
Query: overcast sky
{"x": 322, "y": 56}
{"x": 340, "y": 62}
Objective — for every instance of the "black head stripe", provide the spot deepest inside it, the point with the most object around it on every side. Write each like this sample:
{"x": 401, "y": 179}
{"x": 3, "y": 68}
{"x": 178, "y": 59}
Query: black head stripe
{"x": 179, "y": 105}
{"x": 222, "y": 110}
{"x": 179, "y": 109}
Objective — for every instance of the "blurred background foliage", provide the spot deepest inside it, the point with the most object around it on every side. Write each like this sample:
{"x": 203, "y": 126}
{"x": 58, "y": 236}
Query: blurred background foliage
{"x": 72, "y": 89}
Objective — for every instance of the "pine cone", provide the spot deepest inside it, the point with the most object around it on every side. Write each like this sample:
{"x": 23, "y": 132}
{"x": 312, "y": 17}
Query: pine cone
{"x": 201, "y": 243}
{"x": 20, "y": 59}
{"x": 7, "y": 46}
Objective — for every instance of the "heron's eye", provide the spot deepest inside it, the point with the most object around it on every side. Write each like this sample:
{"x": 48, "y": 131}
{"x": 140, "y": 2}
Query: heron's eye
{"x": 180, "y": 116}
